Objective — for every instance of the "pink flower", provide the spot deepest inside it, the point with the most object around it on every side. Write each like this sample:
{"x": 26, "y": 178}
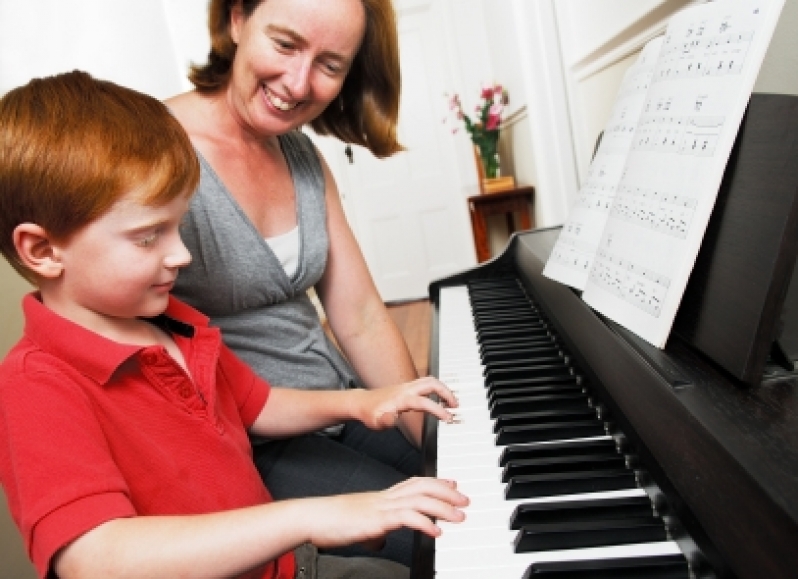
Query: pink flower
{"x": 493, "y": 122}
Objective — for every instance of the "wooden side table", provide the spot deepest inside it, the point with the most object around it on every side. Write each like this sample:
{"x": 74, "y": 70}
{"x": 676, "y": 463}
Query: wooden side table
{"x": 505, "y": 202}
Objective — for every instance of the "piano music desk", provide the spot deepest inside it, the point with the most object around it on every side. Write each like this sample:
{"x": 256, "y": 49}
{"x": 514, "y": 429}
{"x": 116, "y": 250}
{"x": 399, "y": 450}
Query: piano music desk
{"x": 481, "y": 206}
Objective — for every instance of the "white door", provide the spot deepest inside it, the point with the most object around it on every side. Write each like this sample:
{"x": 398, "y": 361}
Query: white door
{"x": 407, "y": 211}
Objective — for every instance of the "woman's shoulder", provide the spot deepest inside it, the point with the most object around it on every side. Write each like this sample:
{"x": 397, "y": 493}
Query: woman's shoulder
{"x": 191, "y": 109}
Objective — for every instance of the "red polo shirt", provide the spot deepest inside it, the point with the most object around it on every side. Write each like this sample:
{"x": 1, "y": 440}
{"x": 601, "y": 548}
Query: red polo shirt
{"x": 93, "y": 430}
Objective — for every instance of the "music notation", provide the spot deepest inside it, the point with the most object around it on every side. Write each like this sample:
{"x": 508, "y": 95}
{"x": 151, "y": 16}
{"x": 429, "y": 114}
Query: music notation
{"x": 662, "y": 212}
{"x": 681, "y": 135}
{"x": 697, "y": 54}
{"x": 571, "y": 251}
{"x": 632, "y": 282}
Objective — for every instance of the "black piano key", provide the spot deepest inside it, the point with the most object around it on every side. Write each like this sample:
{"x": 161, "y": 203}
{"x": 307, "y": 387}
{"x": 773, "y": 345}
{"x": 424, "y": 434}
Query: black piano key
{"x": 516, "y": 354}
{"x": 495, "y": 395}
{"x": 500, "y": 299}
{"x": 569, "y": 448}
{"x": 584, "y": 535}
{"x": 540, "y": 382}
{"x": 499, "y": 343}
{"x": 532, "y": 418}
{"x": 542, "y": 389}
{"x": 551, "y": 360}
{"x": 526, "y": 371}
{"x": 505, "y": 317}
{"x": 517, "y": 404}
{"x": 563, "y": 464}
{"x": 648, "y": 567}
{"x": 505, "y": 333}
{"x": 581, "y": 510}
{"x": 550, "y": 431}
{"x": 558, "y": 449}
{"x": 554, "y": 484}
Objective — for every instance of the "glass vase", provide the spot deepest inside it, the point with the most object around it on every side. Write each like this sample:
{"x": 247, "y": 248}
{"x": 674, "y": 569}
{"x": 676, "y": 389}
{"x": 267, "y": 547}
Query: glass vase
{"x": 489, "y": 157}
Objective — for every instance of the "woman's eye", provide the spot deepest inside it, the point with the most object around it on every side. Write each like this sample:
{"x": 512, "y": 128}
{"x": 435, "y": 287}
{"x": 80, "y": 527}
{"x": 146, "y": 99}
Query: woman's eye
{"x": 332, "y": 67}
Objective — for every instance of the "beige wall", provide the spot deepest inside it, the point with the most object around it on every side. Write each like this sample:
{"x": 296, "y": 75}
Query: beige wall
{"x": 13, "y": 562}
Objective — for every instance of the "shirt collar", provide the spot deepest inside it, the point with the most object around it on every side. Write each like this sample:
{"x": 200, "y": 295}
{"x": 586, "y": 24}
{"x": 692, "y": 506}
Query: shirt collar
{"x": 90, "y": 353}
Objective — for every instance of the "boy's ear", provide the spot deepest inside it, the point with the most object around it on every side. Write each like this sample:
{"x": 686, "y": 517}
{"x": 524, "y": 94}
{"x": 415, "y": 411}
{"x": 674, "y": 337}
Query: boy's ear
{"x": 36, "y": 250}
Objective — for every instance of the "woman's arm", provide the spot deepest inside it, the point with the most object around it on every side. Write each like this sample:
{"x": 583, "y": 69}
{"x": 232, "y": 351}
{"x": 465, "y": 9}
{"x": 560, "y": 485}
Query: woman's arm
{"x": 230, "y": 543}
{"x": 357, "y": 315}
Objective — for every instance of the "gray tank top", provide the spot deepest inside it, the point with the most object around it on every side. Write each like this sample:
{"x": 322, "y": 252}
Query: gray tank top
{"x": 236, "y": 280}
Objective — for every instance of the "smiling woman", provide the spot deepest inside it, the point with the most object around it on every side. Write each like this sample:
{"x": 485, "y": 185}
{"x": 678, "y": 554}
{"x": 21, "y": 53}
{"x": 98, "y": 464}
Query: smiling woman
{"x": 266, "y": 225}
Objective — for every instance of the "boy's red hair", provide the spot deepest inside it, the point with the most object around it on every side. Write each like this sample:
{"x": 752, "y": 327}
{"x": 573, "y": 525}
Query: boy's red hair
{"x": 72, "y": 145}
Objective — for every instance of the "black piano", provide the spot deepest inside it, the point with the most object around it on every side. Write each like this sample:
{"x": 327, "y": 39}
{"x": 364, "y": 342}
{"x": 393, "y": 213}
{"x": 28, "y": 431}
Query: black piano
{"x": 604, "y": 443}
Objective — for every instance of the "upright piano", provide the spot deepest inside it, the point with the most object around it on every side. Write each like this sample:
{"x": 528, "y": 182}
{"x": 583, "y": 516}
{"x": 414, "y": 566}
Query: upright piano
{"x": 588, "y": 453}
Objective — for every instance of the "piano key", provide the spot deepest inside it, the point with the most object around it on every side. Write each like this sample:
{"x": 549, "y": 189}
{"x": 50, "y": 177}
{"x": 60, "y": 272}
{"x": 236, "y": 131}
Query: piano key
{"x": 651, "y": 567}
{"x": 527, "y": 418}
{"x": 581, "y": 510}
{"x": 570, "y": 483}
{"x": 517, "y": 404}
{"x": 549, "y": 431}
{"x": 598, "y": 444}
{"x": 517, "y": 468}
{"x": 582, "y": 534}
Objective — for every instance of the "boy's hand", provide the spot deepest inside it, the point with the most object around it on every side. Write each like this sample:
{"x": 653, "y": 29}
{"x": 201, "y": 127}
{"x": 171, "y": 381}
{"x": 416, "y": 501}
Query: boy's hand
{"x": 364, "y": 517}
{"x": 380, "y": 408}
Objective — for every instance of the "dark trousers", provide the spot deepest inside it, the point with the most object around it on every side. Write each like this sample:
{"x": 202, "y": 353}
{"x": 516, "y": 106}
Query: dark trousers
{"x": 312, "y": 565}
{"x": 356, "y": 460}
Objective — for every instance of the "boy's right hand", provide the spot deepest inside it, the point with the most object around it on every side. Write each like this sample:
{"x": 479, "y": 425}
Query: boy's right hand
{"x": 363, "y": 517}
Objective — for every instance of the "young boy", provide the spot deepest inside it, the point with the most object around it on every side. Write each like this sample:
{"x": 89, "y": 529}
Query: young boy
{"x": 123, "y": 419}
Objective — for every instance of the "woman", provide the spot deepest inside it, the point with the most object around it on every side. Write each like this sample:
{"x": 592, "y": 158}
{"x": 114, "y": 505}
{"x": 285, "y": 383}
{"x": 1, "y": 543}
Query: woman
{"x": 267, "y": 224}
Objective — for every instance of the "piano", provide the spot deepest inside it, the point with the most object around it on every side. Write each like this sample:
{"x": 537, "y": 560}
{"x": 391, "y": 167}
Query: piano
{"x": 588, "y": 453}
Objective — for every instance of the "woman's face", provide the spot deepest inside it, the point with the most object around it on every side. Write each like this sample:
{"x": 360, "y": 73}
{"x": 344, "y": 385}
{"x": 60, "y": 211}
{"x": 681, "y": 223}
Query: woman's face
{"x": 291, "y": 60}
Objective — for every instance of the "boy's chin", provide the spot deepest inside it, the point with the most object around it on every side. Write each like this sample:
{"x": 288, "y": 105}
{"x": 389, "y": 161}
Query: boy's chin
{"x": 155, "y": 307}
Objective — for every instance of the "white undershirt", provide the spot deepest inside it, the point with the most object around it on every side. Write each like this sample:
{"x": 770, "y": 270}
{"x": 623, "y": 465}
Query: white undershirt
{"x": 286, "y": 248}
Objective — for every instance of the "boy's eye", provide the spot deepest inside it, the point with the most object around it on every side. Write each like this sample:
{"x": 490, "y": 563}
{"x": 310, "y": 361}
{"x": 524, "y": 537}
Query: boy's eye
{"x": 148, "y": 241}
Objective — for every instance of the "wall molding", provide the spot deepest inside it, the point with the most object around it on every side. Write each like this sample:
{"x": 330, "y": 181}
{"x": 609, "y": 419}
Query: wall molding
{"x": 628, "y": 40}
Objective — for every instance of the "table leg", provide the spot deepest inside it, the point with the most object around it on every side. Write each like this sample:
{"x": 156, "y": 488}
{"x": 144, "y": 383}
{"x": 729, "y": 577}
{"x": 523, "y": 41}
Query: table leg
{"x": 480, "y": 228}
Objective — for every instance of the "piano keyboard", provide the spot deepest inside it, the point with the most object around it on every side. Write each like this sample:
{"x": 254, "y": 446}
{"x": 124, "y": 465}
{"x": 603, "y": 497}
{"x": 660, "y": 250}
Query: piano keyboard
{"x": 553, "y": 495}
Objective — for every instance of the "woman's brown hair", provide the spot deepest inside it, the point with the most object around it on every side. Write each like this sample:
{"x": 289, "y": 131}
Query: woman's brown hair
{"x": 365, "y": 112}
{"x": 72, "y": 145}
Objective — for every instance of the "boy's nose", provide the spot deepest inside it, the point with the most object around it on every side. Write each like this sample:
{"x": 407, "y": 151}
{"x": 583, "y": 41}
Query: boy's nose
{"x": 179, "y": 256}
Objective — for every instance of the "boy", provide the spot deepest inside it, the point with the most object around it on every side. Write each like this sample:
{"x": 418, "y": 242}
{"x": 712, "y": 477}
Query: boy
{"x": 123, "y": 419}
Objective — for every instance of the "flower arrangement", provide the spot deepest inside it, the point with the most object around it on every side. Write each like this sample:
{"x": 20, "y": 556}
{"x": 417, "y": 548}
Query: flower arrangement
{"x": 484, "y": 130}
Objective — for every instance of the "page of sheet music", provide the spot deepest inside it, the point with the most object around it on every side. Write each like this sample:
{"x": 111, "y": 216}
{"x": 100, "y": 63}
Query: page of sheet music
{"x": 698, "y": 93}
{"x": 572, "y": 256}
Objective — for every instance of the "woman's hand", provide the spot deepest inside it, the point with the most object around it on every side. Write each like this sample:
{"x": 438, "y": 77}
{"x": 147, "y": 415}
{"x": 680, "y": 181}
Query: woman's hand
{"x": 380, "y": 408}
{"x": 366, "y": 517}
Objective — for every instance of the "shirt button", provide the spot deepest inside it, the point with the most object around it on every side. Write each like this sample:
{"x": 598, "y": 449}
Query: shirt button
{"x": 185, "y": 392}
{"x": 149, "y": 358}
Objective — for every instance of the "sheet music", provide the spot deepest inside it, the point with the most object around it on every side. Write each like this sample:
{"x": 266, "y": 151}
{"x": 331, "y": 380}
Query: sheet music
{"x": 572, "y": 256}
{"x": 656, "y": 209}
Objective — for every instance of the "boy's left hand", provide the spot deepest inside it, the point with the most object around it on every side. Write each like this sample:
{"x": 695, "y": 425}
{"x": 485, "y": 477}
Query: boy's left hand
{"x": 381, "y": 407}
